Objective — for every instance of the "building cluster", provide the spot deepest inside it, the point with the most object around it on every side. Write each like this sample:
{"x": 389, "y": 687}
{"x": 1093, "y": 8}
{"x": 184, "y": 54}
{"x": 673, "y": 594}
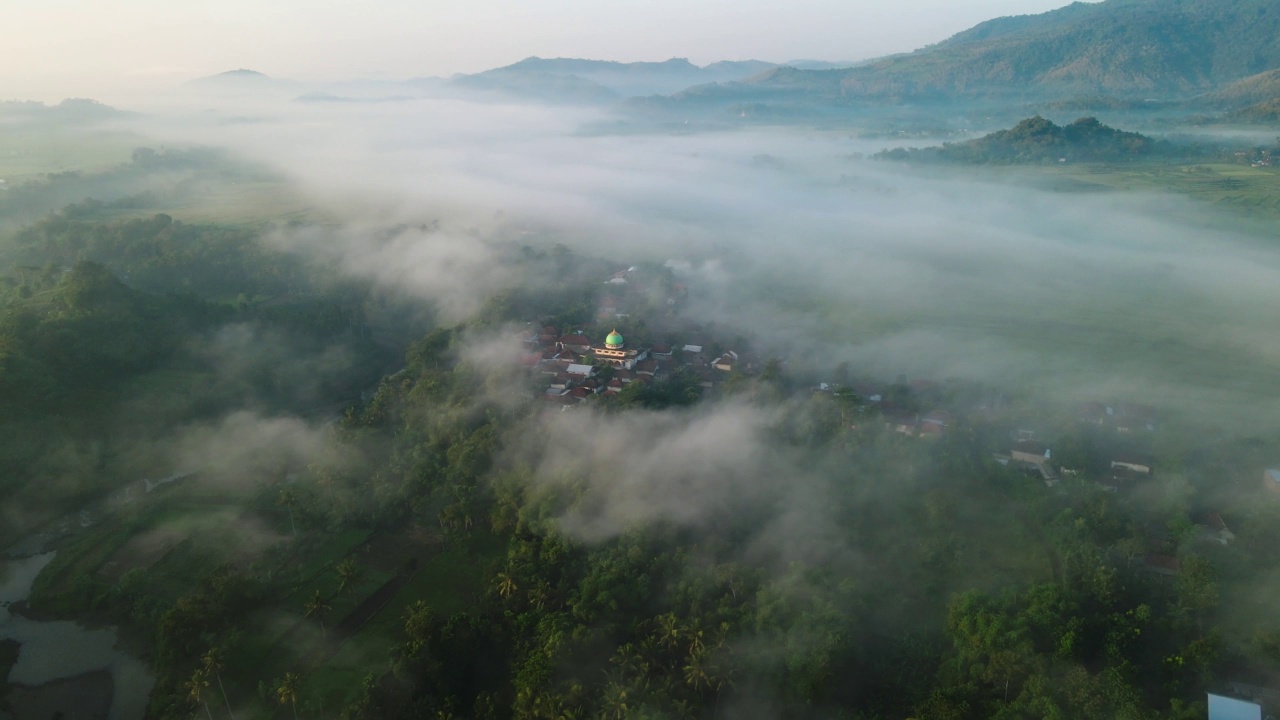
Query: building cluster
{"x": 576, "y": 368}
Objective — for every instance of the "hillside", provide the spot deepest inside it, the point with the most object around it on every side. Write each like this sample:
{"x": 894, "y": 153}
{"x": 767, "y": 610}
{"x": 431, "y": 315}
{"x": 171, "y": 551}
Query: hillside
{"x": 1264, "y": 113}
{"x": 1135, "y": 49}
{"x": 1252, "y": 90}
{"x": 1037, "y": 140}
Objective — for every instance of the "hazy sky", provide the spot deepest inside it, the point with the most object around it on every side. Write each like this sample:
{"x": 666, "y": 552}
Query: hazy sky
{"x": 77, "y": 46}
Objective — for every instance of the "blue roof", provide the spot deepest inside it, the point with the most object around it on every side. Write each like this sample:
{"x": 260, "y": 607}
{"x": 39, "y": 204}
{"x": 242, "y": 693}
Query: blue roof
{"x": 1274, "y": 475}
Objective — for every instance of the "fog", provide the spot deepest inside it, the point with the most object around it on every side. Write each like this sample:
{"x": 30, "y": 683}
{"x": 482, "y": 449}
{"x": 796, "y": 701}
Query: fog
{"x": 791, "y": 241}
{"x": 895, "y": 270}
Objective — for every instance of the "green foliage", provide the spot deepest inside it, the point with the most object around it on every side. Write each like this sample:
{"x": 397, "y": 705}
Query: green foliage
{"x": 1038, "y": 141}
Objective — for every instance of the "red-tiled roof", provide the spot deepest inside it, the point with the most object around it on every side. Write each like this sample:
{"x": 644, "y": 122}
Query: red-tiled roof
{"x": 1163, "y": 562}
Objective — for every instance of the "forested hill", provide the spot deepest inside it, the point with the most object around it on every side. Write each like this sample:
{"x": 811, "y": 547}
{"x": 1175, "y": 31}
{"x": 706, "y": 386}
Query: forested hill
{"x": 1037, "y": 140}
{"x": 1153, "y": 47}
{"x": 1117, "y": 48}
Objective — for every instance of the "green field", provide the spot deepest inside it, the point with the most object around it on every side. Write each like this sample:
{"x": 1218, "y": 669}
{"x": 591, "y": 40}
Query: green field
{"x": 29, "y": 152}
{"x": 1237, "y": 188}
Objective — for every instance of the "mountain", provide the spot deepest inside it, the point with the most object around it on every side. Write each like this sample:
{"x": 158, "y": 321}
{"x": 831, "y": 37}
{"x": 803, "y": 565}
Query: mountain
{"x": 1037, "y": 140}
{"x": 242, "y": 82}
{"x": 581, "y": 81}
{"x": 1159, "y": 49}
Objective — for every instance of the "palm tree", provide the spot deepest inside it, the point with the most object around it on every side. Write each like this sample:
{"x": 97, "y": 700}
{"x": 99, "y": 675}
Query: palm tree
{"x": 697, "y": 673}
{"x": 615, "y": 701}
{"x": 347, "y": 571}
{"x": 213, "y": 665}
{"x": 195, "y": 690}
{"x": 287, "y": 691}
{"x": 289, "y": 499}
{"x": 506, "y": 584}
{"x": 316, "y": 608}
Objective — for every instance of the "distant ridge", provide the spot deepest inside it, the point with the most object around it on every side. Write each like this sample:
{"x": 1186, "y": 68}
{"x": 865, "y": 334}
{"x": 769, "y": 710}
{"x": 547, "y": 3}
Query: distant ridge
{"x": 72, "y": 111}
{"x": 232, "y": 76}
{"x": 578, "y": 80}
{"x": 1126, "y": 49}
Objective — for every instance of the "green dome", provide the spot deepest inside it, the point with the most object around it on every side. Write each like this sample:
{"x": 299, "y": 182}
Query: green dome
{"x": 613, "y": 340}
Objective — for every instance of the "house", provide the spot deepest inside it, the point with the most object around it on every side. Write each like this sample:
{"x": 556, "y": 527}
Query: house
{"x": 1271, "y": 477}
{"x": 647, "y": 367}
{"x": 661, "y": 351}
{"x": 930, "y": 430}
{"x": 1162, "y": 564}
{"x": 583, "y": 370}
{"x": 940, "y": 418}
{"x": 695, "y": 349}
{"x": 1215, "y": 529}
{"x": 579, "y": 344}
{"x": 867, "y": 391}
{"x": 902, "y": 423}
{"x": 1222, "y": 707}
{"x": 1133, "y": 464}
{"x": 725, "y": 362}
{"x": 1094, "y": 413}
{"x": 1030, "y": 452}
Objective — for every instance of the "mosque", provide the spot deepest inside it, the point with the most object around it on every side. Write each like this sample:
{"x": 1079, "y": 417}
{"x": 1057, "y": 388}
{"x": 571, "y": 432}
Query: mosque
{"x": 616, "y": 353}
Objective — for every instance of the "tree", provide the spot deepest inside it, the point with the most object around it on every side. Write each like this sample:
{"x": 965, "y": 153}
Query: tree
{"x": 213, "y": 665}
{"x": 1197, "y": 588}
{"x": 505, "y": 583}
{"x": 347, "y": 571}
{"x": 287, "y": 691}
{"x": 196, "y": 686}
{"x": 316, "y": 608}
{"x": 288, "y": 499}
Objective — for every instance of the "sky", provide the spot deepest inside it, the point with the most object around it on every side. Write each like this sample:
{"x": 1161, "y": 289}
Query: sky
{"x": 70, "y": 47}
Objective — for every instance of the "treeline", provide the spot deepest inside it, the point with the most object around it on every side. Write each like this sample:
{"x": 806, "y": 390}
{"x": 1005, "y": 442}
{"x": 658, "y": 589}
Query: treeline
{"x": 160, "y": 254}
{"x": 1037, "y": 141}
{"x": 151, "y": 179}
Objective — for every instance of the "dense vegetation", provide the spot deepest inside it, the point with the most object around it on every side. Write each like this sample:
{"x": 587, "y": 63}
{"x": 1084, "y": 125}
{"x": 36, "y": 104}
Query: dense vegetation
{"x": 111, "y": 331}
{"x": 437, "y": 551}
{"x": 1037, "y": 140}
{"x": 448, "y": 544}
{"x": 941, "y": 584}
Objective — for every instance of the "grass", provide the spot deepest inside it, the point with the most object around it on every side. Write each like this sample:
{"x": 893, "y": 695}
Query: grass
{"x": 31, "y": 151}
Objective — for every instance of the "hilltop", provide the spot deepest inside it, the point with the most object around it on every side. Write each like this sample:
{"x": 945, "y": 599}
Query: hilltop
{"x": 241, "y": 82}
{"x": 1037, "y": 140}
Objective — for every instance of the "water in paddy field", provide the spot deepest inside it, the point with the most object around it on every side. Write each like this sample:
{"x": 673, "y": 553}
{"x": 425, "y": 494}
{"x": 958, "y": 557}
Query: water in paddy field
{"x": 62, "y": 650}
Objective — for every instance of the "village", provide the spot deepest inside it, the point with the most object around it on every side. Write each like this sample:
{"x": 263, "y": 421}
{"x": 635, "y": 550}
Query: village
{"x": 593, "y": 363}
